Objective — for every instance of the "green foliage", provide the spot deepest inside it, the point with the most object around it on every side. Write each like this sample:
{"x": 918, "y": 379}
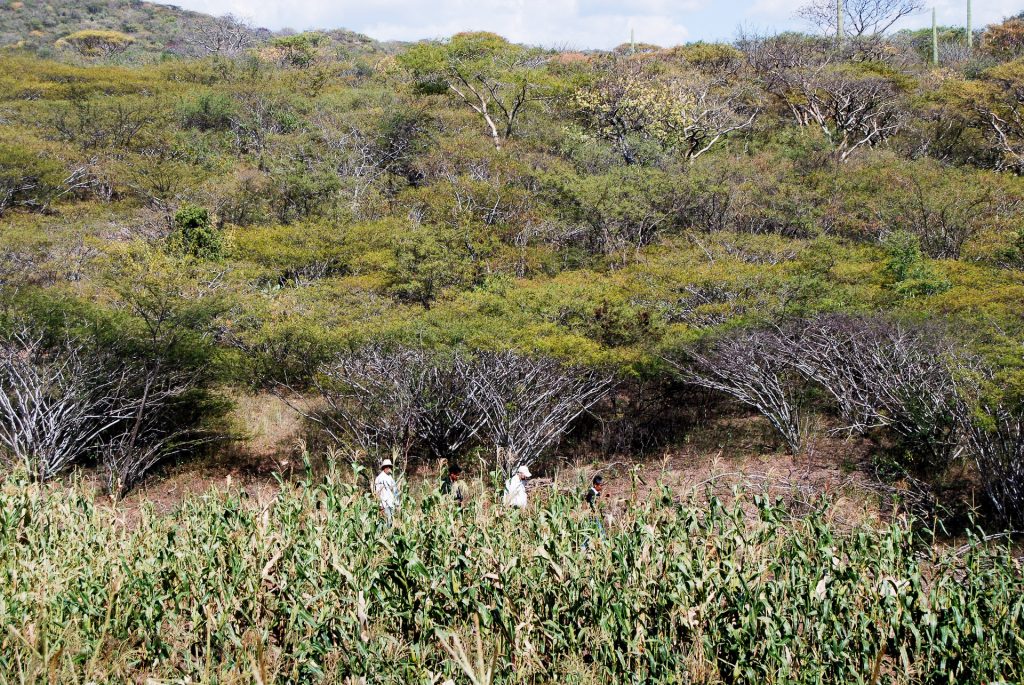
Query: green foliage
{"x": 708, "y": 56}
{"x": 908, "y": 272}
{"x": 316, "y": 588}
{"x": 27, "y": 178}
{"x": 427, "y": 261}
{"x": 208, "y": 112}
{"x": 300, "y": 50}
{"x": 1012, "y": 256}
{"x": 96, "y": 43}
{"x": 195, "y": 234}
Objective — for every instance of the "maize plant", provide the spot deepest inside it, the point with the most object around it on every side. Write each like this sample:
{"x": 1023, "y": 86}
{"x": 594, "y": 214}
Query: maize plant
{"x": 306, "y": 585}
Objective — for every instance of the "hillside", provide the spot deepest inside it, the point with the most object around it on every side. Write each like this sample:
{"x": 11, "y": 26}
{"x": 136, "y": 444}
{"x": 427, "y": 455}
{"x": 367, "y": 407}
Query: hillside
{"x": 770, "y": 291}
{"x": 653, "y": 243}
{"x": 156, "y": 29}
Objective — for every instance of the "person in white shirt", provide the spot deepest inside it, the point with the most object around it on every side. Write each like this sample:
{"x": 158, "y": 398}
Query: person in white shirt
{"x": 515, "y": 489}
{"x": 386, "y": 490}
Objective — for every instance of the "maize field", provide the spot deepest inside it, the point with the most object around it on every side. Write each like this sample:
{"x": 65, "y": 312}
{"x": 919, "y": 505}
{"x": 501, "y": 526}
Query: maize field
{"x": 308, "y": 586}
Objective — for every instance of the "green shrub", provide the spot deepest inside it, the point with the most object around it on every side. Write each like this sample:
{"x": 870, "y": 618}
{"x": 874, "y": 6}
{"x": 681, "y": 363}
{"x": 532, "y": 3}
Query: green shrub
{"x": 27, "y": 179}
{"x": 908, "y": 272}
{"x": 195, "y": 234}
{"x": 208, "y": 112}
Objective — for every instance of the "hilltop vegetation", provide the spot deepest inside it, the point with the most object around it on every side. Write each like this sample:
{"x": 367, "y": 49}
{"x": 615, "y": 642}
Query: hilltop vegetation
{"x": 828, "y": 237}
{"x": 151, "y": 31}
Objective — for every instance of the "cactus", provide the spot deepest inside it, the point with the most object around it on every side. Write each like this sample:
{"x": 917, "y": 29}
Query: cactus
{"x": 970, "y": 29}
{"x": 839, "y": 22}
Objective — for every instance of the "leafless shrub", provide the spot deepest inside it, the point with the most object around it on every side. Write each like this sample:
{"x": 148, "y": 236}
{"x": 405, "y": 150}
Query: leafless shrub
{"x": 528, "y": 404}
{"x": 861, "y": 18}
{"x": 63, "y": 403}
{"x": 397, "y": 398}
{"x": 55, "y": 404}
{"x": 151, "y": 434}
{"x": 707, "y": 111}
{"x": 226, "y": 36}
{"x": 28, "y": 190}
{"x": 994, "y": 430}
{"x": 882, "y": 373}
{"x": 752, "y": 367}
{"x": 401, "y": 399}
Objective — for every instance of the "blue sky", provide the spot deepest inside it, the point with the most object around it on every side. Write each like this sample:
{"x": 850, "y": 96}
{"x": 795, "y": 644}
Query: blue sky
{"x": 559, "y": 23}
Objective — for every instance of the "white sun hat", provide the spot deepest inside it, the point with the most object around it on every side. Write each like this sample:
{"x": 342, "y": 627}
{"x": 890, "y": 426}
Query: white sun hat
{"x": 524, "y": 472}
{"x": 386, "y": 463}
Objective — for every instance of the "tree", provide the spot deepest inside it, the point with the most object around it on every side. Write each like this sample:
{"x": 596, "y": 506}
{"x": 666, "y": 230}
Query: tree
{"x": 227, "y": 35}
{"x": 300, "y": 50}
{"x": 1005, "y": 40}
{"x": 367, "y": 154}
{"x": 853, "y": 105}
{"x": 998, "y": 105}
{"x": 749, "y": 366}
{"x": 528, "y": 403}
{"x": 171, "y": 306}
{"x": 625, "y": 208}
{"x": 688, "y": 114}
{"x": 494, "y": 77}
{"x": 861, "y": 18}
{"x": 97, "y": 43}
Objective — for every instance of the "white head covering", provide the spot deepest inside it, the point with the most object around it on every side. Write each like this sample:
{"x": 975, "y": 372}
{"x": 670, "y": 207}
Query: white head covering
{"x": 524, "y": 472}
{"x": 386, "y": 463}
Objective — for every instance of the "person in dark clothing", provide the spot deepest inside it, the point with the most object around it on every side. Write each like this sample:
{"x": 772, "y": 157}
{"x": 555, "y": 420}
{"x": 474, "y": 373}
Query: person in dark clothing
{"x": 452, "y": 486}
{"x": 594, "y": 493}
{"x": 593, "y": 500}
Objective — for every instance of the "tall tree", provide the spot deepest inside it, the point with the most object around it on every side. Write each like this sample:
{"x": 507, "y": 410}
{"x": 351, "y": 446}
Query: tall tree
{"x": 493, "y": 76}
{"x": 858, "y": 18}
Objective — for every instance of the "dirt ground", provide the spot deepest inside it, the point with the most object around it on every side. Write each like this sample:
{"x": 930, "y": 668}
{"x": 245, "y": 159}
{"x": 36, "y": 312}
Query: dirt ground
{"x": 734, "y": 452}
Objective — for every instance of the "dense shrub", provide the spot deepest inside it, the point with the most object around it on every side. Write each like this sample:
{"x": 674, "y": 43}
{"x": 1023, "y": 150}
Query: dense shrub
{"x": 28, "y": 179}
{"x": 402, "y": 401}
{"x": 209, "y": 112}
{"x": 195, "y": 233}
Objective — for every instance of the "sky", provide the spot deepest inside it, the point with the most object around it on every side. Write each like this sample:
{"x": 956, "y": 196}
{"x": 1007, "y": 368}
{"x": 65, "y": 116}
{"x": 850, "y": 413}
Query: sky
{"x": 570, "y": 24}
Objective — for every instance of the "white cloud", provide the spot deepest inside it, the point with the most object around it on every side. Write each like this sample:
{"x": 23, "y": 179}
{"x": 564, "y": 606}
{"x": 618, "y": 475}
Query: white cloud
{"x": 948, "y": 12}
{"x": 575, "y": 23}
{"x": 563, "y": 23}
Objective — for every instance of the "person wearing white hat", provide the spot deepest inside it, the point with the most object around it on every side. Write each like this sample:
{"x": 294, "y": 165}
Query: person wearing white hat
{"x": 386, "y": 490}
{"x": 515, "y": 488}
